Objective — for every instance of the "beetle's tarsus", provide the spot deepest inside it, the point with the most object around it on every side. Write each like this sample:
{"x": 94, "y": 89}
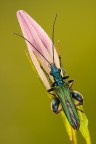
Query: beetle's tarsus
{"x": 80, "y": 110}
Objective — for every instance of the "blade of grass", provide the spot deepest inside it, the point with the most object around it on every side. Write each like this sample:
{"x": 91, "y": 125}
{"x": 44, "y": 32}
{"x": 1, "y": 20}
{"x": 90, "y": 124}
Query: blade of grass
{"x": 70, "y": 131}
{"x": 84, "y": 126}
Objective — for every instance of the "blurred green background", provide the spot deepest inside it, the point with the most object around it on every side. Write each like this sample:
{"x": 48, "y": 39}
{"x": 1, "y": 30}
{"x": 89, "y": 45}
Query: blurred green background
{"x": 25, "y": 115}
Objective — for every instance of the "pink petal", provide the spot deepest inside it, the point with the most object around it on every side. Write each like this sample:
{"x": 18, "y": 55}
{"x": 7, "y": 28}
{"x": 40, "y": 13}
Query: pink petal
{"x": 38, "y": 38}
{"x": 30, "y": 33}
{"x": 39, "y": 70}
{"x": 44, "y": 38}
{"x": 36, "y": 35}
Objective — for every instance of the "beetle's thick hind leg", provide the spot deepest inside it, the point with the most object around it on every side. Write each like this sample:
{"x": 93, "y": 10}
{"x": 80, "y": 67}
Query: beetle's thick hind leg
{"x": 77, "y": 96}
{"x": 55, "y": 106}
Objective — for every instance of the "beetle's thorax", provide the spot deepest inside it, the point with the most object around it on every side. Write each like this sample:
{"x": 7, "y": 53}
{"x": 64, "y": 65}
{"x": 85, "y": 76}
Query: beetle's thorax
{"x": 56, "y": 73}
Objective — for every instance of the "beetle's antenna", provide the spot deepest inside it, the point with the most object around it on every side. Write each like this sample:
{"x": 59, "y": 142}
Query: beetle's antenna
{"x": 53, "y": 37}
{"x": 33, "y": 46}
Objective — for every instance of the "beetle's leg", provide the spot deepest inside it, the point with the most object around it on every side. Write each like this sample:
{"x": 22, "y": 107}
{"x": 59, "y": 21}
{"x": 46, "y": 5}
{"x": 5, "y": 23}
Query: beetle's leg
{"x": 80, "y": 110}
{"x": 61, "y": 66}
{"x": 47, "y": 75}
{"x": 59, "y": 53}
{"x": 65, "y": 77}
{"x": 55, "y": 105}
{"x": 49, "y": 90}
{"x": 71, "y": 83}
{"x": 53, "y": 84}
{"x": 60, "y": 62}
{"x": 51, "y": 93}
{"x": 76, "y": 95}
